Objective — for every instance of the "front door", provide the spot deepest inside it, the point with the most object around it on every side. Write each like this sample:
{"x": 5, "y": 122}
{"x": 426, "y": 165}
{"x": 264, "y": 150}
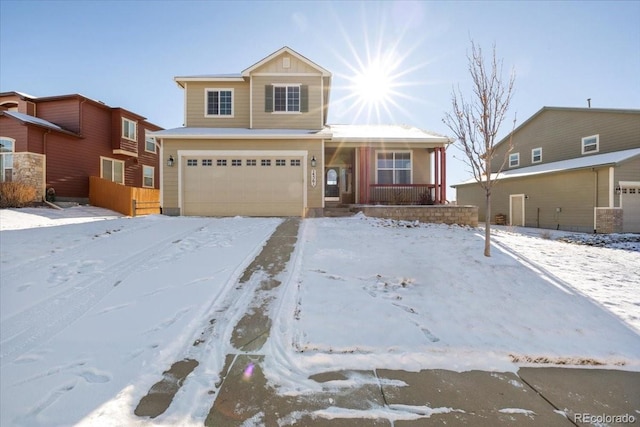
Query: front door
{"x": 332, "y": 184}
{"x": 516, "y": 209}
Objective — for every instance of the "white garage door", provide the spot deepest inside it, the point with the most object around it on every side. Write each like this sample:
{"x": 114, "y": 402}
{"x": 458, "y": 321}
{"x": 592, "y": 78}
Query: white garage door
{"x": 246, "y": 185}
{"x": 630, "y": 203}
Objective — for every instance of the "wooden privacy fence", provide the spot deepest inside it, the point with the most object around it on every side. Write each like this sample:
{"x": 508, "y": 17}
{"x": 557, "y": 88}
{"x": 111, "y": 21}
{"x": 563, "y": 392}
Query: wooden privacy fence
{"x": 129, "y": 201}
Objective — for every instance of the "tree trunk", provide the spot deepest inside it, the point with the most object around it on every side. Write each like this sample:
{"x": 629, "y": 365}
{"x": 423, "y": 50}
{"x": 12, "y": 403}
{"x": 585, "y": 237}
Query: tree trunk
{"x": 487, "y": 226}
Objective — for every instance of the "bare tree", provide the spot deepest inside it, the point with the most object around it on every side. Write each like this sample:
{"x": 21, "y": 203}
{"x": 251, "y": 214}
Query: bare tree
{"x": 476, "y": 123}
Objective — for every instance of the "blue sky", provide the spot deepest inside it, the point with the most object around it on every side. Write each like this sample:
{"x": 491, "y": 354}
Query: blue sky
{"x": 126, "y": 53}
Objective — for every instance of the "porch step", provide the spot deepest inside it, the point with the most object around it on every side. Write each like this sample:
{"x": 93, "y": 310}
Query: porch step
{"x": 337, "y": 211}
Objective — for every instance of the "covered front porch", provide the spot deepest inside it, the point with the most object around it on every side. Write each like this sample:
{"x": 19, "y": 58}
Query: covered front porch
{"x": 389, "y": 165}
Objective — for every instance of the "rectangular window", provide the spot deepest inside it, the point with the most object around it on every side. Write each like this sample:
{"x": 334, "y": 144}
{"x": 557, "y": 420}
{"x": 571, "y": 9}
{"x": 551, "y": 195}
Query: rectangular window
{"x": 590, "y": 144}
{"x": 219, "y": 102}
{"x": 221, "y": 162}
{"x": 265, "y": 162}
{"x": 236, "y": 162}
{"x": 112, "y": 170}
{"x": 149, "y": 144}
{"x": 129, "y": 129}
{"x": 281, "y": 162}
{"x": 147, "y": 176}
{"x": 286, "y": 98}
{"x": 251, "y": 162}
{"x": 7, "y": 146}
{"x": 295, "y": 162}
{"x": 394, "y": 168}
{"x": 192, "y": 162}
{"x": 207, "y": 162}
{"x": 536, "y": 155}
{"x": 514, "y": 160}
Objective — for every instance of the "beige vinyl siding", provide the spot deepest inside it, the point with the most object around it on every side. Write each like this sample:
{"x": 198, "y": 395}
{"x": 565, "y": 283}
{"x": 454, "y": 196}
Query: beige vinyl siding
{"x": 560, "y": 132}
{"x": 195, "y": 105}
{"x": 276, "y": 66}
{"x": 274, "y": 120}
{"x": 573, "y": 192}
{"x": 171, "y": 147}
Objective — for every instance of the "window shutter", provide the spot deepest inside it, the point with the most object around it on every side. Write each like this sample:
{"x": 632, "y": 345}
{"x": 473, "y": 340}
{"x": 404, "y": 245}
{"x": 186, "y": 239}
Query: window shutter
{"x": 304, "y": 99}
{"x": 268, "y": 98}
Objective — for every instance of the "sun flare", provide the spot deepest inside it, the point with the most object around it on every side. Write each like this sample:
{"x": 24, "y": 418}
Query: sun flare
{"x": 374, "y": 84}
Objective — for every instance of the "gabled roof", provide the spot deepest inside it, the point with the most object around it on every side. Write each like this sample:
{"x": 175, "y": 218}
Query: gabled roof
{"x": 25, "y": 118}
{"x": 291, "y": 52}
{"x": 585, "y": 162}
{"x": 572, "y": 109}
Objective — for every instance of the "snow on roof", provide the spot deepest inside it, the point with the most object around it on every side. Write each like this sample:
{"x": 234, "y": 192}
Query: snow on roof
{"x": 33, "y": 120}
{"x": 386, "y": 132}
{"x": 565, "y": 165}
{"x": 237, "y": 133}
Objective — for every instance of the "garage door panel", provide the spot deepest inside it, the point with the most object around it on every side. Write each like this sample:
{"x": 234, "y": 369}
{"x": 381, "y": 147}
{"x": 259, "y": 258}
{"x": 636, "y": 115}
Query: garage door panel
{"x": 630, "y": 203}
{"x": 243, "y": 190}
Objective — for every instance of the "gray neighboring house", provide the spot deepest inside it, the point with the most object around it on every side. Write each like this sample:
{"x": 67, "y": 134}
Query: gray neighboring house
{"x": 575, "y": 169}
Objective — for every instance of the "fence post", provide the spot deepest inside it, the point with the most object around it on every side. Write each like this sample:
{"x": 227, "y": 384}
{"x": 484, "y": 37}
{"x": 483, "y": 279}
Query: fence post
{"x": 133, "y": 207}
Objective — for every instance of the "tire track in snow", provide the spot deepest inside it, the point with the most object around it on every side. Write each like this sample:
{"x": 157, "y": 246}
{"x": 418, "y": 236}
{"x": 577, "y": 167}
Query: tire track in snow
{"x": 27, "y": 329}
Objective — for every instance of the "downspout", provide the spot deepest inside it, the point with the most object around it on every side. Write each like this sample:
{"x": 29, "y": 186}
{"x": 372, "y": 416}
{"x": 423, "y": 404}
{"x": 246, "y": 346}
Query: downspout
{"x": 595, "y": 197}
{"x": 44, "y": 172}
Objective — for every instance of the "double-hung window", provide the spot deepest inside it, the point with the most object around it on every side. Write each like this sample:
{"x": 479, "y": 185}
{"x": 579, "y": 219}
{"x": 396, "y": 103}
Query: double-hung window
{"x": 147, "y": 176}
{"x": 7, "y": 147}
{"x": 129, "y": 129}
{"x": 286, "y": 98}
{"x": 149, "y": 144}
{"x": 590, "y": 144}
{"x": 536, "y": 155}
{"x": 219, "y": 102}
{"x": 514, "y": 160}
{"x": 394, "y": 167}
{"x": 112, "y": 170}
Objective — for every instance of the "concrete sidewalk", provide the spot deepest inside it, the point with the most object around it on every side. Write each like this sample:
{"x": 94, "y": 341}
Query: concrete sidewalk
{"x": 534, "y": 397}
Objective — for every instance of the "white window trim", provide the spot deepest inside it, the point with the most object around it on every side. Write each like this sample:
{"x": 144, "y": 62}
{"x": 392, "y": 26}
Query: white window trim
{"x": 394, "y": 169}
{"x": 206, "y": 103}
{"x": 299, "y": 86}
{"x": 5, "y": 155}
{"x": 153, "y": 176}
{"x": 155, "y": 147}
{"x": 597, "y": 137}
{"x": 533, "y": 160}
{"x": 517, "y": 158}
{"x": 135, "y": 127}
{"x": 113, "y": 161}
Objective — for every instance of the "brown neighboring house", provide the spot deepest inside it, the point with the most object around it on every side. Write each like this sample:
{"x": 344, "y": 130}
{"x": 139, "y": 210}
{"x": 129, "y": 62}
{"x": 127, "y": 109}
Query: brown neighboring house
{"x": 60, "y": 141}
{"x": 575, "y": 169}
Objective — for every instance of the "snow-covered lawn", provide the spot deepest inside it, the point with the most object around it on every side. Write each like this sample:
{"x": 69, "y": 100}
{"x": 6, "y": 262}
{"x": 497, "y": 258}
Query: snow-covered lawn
{"x": 91, "y": 314}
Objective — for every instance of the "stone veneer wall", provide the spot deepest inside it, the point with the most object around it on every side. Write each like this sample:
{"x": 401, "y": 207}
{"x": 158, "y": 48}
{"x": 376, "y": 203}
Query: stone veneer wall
{"x": 608, "y": 220}
{"x": 28, "y": 168}
{"x": 439, "y": 214}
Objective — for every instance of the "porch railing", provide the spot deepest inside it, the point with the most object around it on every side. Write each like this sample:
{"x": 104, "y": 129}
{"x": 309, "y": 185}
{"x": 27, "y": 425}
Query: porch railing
{"x": 402, "y": 194}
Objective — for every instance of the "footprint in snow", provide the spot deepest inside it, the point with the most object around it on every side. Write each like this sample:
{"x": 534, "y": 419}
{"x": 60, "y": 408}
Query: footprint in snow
{"x": 94, "y": 376}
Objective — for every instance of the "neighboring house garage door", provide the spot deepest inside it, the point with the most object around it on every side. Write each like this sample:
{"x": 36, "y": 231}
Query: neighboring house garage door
{"x": 242, "y": 184}
{"x": 630, "y": 203}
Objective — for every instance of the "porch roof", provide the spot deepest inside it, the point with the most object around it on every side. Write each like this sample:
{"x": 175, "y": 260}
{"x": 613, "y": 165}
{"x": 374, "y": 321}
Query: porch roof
{"x": 385, "y": 134}
{"x": 590, "y": 161}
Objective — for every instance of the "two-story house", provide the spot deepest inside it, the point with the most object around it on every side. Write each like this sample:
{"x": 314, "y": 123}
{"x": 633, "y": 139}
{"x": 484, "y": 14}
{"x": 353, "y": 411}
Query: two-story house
{"x": 575, "y": 169}
{"x": 257, "y": 143}
{"x": 60, "y": 141}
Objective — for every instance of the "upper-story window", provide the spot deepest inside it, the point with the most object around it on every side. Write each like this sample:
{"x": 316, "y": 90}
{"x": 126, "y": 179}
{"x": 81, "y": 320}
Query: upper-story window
{"x": 394, "y": 167}
{"x": 149, "y": 144}
{"x": 514, "y": 160}
{"x": 7, "y": 147}
{"x": 590, "y": 144}
{"x": 129, "y": 129}
{"x": 286, "y": 98}
{"x": 218, "y": 102}
{"x": 536, "y": 155}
